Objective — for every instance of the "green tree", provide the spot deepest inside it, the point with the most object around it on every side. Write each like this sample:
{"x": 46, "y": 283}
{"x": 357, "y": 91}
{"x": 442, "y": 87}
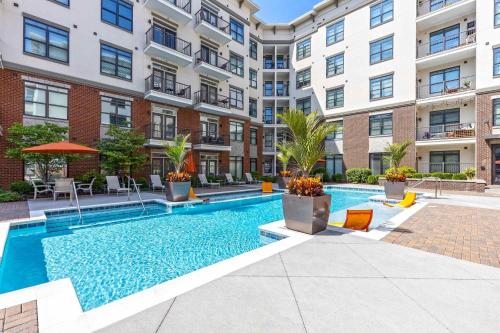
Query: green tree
{"x": 284, "y": 155}
{"x": 308, "y": 134}
{"x": 396, "y": 152}
{"x": 20, "y": 137}
{"x": 177, "y": 152}
{"x": 122, "y": 151}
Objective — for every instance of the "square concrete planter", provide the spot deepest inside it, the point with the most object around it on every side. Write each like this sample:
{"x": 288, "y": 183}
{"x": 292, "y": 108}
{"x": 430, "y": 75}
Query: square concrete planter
{"x": 178, "y": 191}
{"x": 394, "y": 190}
{"x": 306, "y": 214}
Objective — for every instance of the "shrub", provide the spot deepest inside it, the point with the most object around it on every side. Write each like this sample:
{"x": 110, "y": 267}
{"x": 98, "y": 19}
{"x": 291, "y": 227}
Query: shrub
{"x": 22, "y": 187}
{"x": 285, "y": 173}
{"x": 372, "y": 180}
{"x": 459, "y": 176}
{"x": 99, "y": 182}
{"x": 309, "y": 187}
{"x": 337, "y": 178}
{"x": 318, "y": 170}
{"x": 426, "y": 175}
{"x": 405, "y": 170}
{"x": 358, "y": 175}
{"x": 470, "y": 173}
{"x": 268, "y": 179}
{"x": 10, "y": 196}
{"x": 143, "y": 182}
{"x": 417, "y": 176}
{"x": 442, "y": 175}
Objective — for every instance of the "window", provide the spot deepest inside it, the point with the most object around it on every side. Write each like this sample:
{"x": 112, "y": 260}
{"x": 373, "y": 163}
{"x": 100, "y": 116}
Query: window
{"x": 444, "y": 121}
{"x": 253, "y": 136}
{"x": 378, "y": 164}
{"x": 268, "y": 166}
{"x": 118, "y": 12}
{"x": 115, "y": 111}
{"x": 304, "y": 105}
{"x": 253, "y": 49}
{"x": 381, "y": 87}
{"x": 335, "y": 33}
{"x": 236, "y": 131}
{"x": 268, "y": 62}
{"x": 253, "y": 165}
{"x": 444, "y": 161}
{"x": 496, "y": 112}
{"x": 46, "y": 101}
{"x": 335, "y": 164}
{"x": 268, "y": 139}
{"x": 236, "y": 64}
{"x": 268, "y": 88}
{"x": 116, "y": 62}
{"x": 381, "y": 124}
{"x": 237, "y": 31}
{"x": 281, "y": 62}
{"x": 236, "y": 97}
{"x": 335, "y": 65}
{"x": 268, "y": 116}
{"x": 496, "y": 61}
{"x": 62, "y": 2}
{"x": 339, "y": 131}
{"x": 209, "y": 165}
{"x": 497, "y": 12}
{"x": 304, "y": 49}
{"x": 303, "y": 78}
{"x": 253, "y": 78}
{"x": 281, "y": 88}
{"x": 335, "y": 98}
{"x": 444, "y": 81}
{"x": 444, "y": 39}
{"x": 46, "y": 41}
{"x": 252, "y": 107}
{"x": 381, "y": 50}
{"x": 438, "y": 4}
{"x": 381, "y": 13}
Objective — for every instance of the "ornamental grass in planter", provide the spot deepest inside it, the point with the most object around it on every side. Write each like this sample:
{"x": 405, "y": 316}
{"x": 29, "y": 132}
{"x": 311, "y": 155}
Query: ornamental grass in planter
{"x": 394, "y": 187}
{"x": 178, "y": 182}
{"x": 284, "y": 155}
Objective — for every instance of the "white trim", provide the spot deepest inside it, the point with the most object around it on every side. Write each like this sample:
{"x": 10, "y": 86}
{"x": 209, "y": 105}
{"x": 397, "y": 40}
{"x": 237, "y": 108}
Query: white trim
{"x": 43, "y": 81}
{"x": 127, "y": 98}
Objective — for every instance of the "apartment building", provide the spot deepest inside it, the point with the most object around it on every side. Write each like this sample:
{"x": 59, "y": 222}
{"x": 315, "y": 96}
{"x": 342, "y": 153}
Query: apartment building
{"x": 384, "y": 71}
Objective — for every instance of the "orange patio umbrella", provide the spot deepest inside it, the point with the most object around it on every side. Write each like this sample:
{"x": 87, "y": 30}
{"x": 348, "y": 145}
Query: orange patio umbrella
{"x": 190, "y": 167}
{"x": 62, "y": 147}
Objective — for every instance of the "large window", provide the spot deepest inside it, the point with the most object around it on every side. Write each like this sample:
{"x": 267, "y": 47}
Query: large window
{"x": 46, "y": 41}
{"x": 339, "y": 131}
{"x": 46, "y": 101}
{"x": 335, "y": 98}
{"x": 335, "y": 65}
{"x": 237, "y": 31}
{"x": 444, "y": 120}
{"x": 252, "y": 107}
{"x": 115, "y": 111}
{"x": 236, "y": 64}
{"x": 236, "y": 131}
{"x": 236, "y": 166}
{"x": 304, "y": 49}
{"x": 496, "y": 61}
{"x": 268, "y": 139}
{"x": 335, "y": 33}
{"x": 444, "y": 81}
{"x": 253, "y": 49}
{"x": 268, "y": 88}
{"x": 304, "y": 78}
{"x": 381, "y": 13}
{"x": 438, "y": 4}
{"x": 304, "y": 105}
{"x": 253, "y": 136}
{"x": 268, "y": 116}
{"x": 118, "y": 12}
{"x": 236, "y": 97}
{"x": 497, "y": 12}
{"x": 381, "y": 50}
{"x": 335, "y": 164}
{"x": 496, "y": 112}
{"x": 268, "y": 62}
{"x": 378, "y": 164}
{"x": 444, "y": 161}
{"x": 381, "y": 87}
{"x": 253, "y": 165}
{"x": 116, "y": 62}
{"x": 381, "y": 124}
{"x": 253, "y": 78}
{"x": 444, "y": 39}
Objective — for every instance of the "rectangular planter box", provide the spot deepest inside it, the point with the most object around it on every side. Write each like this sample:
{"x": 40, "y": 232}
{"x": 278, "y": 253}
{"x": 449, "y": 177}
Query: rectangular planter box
{"x": 306, "y": 214}
{"x": 178, "y": 191}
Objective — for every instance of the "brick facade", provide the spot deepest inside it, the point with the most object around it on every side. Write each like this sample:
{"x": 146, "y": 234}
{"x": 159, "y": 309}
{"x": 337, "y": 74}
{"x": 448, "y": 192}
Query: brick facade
{"x": 484, "y": 156}
{"x": 356, "y": 141}
{"x": 404, "y": 122}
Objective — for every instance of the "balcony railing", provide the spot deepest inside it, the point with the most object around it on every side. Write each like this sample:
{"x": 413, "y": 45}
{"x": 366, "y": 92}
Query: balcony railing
{"x": 160, "y": 84}
{"x": 445, "y": 43}
{"x": 428, "y": 6}
{"x": 212, "y": 99}
{"x": 161, "y": 36}
{"x": 448, "y": 87}
{"x": 444, "y": 132}
{"x": 185, "y": 5}
{"x": 282, "y": 91}
{"x": 200, "y": 137}
{"x": 279, "y": 64}
{"x": 216, "y": 61}
{"x": 166, "y": 133}
{"x": 448, "y": 167}
{"x": 218, "y": 22}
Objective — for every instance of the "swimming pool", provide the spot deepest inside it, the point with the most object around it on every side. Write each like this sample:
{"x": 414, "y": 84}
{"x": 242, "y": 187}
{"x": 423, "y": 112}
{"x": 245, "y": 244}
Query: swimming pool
{"x": 117, "y": 252}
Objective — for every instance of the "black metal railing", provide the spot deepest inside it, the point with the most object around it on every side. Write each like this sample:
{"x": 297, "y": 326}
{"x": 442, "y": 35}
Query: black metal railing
{"x": 213, "y": 20}
{"x": 428, "y": 6}
{"x": 446, "y": 131}
{"x": 211, "y": 98}
{"x": 445, "y": 43}
{"x": 211, "y": 59}
{"x": 162, "y": 36}
{"x": 185, "y": 5}
{"x": 447, "y": 87}
{"x": 282, "y": 90}
{"x": 163, "y": 132}
{"x": 200, "y": 137}
{"x": 169, "y": 87}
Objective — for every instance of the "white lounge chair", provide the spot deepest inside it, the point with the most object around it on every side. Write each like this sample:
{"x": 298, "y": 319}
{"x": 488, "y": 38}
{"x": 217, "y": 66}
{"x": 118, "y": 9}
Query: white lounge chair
{"x": 40, "y": 188}
{"x": 156, "y": 183}
{"x": 86, "y": 187}
{"x": 250, "y": 179}
{"x": 204, "y": 182}
{"x": 113, "y": 184}
{"x": 231, "y": 181}
{"x": 63, "y": 186}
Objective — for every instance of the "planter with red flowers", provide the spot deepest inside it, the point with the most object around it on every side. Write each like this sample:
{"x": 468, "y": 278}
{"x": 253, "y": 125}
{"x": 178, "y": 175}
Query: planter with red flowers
{"x": 394, "y": 187}
{"x": 178, "y": 182}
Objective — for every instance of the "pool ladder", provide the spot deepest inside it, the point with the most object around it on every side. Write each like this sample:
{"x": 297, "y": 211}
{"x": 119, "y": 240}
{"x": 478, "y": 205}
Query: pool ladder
{"x": 134, "y": 184}
{"x": 438, "y": 185}
{"x": 76, "y": 199}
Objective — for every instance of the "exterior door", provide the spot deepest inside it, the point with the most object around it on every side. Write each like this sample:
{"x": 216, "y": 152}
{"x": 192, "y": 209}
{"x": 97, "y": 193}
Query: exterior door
{"x": 163, "y": 127}
{"x": 496, "y": 165}
{"x": 164, "y": 81}
{"x": 208, "y": 94}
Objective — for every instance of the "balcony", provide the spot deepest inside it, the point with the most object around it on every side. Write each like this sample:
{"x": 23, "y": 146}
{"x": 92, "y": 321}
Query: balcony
{"x": 213, "y": 27}
{"x": 433, "y": 13}
{"x": 283, "y": 91}
{"x": 165, "y": 91}
{"x": 158, "y": 136}
{"x": 450, "y": 91}
{"x": 448, "y": 167}
{"x": 211, "y": 103}
{"x": 280, "y": 64}
{"x": 214, "y": 66}
{"x": 210, "y": 142}
{"x": 177, "y": 10}
{"x": 161, "y": 44}
{"x": 446, "y": 134}
{"x": 448, "y": 49}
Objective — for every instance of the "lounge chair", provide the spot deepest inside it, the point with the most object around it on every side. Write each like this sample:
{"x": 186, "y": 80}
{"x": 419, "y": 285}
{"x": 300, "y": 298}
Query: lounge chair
{"x": 267, "y": 187}
{"x": 63, "y": 186}
{"x": 250, "y": 179}
{"x": 204, "y": 182}
{"x": 86, "y": 187}
{"x": 356, "y": 220}
{"x": 113, "y": 184}
{"x": 231, "y": 181}
{"x": 407, "y": 202}
{"x": 156, "y": 183}
{"x": 40, "y": 188}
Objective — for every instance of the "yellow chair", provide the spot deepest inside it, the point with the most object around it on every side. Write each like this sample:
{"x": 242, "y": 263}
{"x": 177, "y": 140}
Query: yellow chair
{"x": 407, "y": 202}
{"x": 356, "y": 220}
{"x": 192, "y": 195}
{"x": 267, "y": 187}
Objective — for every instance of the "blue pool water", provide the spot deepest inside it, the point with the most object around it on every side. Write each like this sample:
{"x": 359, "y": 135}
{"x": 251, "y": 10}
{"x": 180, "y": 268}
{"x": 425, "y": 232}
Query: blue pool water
{"x": 118, "y": 252}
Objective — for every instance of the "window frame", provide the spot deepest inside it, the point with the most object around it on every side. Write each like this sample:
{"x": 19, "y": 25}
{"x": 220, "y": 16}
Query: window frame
{"x": 266, "y": 114}
{"x": 301, "y": 101}
{"x": 444, "y": 154}
{"x": 237, "y": 162}
{"x": 496, "y": 14}
{"x": 335, "y": 57}
{"x": 116, "y": 24}
{"x": 302, "y": 75}
{"x": 117, "y": 51}
{"x": 253, "y": 49}
{"x": 236, "y": 131}
{"x": 379, "y": 43}
{"x": 338, "y": 98}
{"x": 382, "y": 21}
{"x": 304, "y": 49}
{"x": 59, "y": 2}
{"x": 381, "y": 119}
{"x": 234, "y": 102}
{"x": 384, "y": 165}
{"x": 444, "y": 81}
{"x": 380, "y": 80}
{"x": 335, "y": 158}
{"x": 496, "y": 61}
{"x": 46, "y": 104}
{"x": 496, "y": 116}
{"x": 253, "y": 136}
{"x": 252, "y": 101}
{"x": 56, "y": 29}
{"x": 335, "y": 32}
{"x": 339, "y": 132}
{"x": 253, "y": 82}
{"x": 125, "y": 102}
{"x": 253, "y": 161}
{"x": 236, "y": 34}
{"x": 237, "y": 68}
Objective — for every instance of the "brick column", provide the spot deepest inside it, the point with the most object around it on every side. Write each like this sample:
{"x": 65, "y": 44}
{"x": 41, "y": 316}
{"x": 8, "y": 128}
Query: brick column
{"x": 356, "y": 128}
{"x": 484, "y": 118}
{"x": 405, "y": 129}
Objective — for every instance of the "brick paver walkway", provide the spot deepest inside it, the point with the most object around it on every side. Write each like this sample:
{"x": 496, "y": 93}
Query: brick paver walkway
{"x": 466, "y": 233}
{"x": 14, "y": 210}
{"x": 19, "y": 318}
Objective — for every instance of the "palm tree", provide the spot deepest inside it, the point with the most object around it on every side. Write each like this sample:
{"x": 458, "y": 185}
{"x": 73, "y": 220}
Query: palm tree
{"x": 308, "y": 133}
{"x": 177, "y": 152}
{"x": 396, "y": 152}
{"x": 284, "y": 154}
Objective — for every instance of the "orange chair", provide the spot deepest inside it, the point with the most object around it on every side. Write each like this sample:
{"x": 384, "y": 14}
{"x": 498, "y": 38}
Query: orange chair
{"x": 356, "y": 220}
{"x": 267, "y": 187}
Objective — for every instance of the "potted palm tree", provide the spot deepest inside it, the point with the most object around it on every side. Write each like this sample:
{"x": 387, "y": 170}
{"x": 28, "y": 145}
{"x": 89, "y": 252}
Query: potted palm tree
{"x": 178, "y": 182}
{"x": 394, "y": 186}
{"x": 284, "y": 156}
{"x": 306, "y": 207}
